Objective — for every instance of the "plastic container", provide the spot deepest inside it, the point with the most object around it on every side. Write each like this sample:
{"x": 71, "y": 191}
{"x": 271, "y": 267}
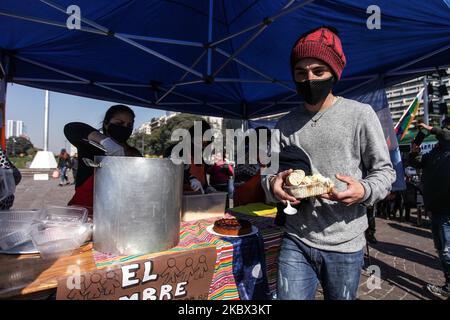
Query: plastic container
{"x": 54, "y": 215}
{"x": 20, "y": 216}
{"x": 13, "y": 234}
{"x": 203, "y": 206}
{"x": 56, "y": 241}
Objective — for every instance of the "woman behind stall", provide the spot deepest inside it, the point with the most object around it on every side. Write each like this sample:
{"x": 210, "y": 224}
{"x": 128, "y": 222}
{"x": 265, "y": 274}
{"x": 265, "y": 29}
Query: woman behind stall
{"x": 117, "y": 127}
{"x": 247, "y": 179}
{"x": 195, "y": 173}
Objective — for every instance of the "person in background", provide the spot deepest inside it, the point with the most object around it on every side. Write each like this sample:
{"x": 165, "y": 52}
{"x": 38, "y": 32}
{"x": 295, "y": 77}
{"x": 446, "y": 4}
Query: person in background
{"x": 5, "y": 164}
{"x": 74, "y": 165}
{"x": 117, "y": 127}
{"x": 435, "y": 167}
{"x": 195, "y": 173}
{"x": 64, "y": 164}
{"x": 221, "y": 178}
{"x": 442, "y": 133}
{"x": 248, "y": 177}
{"x": 370, "y": 232}
{"x": 220, "y": 173}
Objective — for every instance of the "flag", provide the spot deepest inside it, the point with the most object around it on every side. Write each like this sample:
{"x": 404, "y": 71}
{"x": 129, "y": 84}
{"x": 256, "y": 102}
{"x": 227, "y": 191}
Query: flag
{"x": 402, "y": 127}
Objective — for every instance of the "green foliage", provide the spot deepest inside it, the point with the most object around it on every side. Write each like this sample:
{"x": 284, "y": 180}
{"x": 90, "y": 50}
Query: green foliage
{"x": 18, "y": 145}
{"x": 21, "y": 162}
{"x": 159, "y": 139}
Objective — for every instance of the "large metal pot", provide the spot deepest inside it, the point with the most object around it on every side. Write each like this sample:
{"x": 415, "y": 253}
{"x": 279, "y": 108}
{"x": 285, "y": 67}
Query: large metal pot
{"x": 137, "y": 205}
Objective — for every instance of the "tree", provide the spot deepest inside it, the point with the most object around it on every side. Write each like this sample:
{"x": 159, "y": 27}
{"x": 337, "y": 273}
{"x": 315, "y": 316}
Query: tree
{"x": 159, "y": 139}
{"x": 18, "y": 145}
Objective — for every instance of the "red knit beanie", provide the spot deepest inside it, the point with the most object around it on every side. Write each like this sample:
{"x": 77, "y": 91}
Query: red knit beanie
{"x": 322, "y": 43}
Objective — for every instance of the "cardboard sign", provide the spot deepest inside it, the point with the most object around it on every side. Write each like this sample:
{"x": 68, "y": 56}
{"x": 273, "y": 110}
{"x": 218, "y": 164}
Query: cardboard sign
{"x": 178, "y": 276}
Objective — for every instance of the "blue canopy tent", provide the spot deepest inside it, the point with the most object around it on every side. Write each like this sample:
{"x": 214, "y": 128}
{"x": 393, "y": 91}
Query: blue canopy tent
{"x": 214, "y": 57}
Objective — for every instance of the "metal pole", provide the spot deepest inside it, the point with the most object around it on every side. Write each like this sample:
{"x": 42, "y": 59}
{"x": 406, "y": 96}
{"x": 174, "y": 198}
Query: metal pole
{"x": 210, "y": 33}
{"x": 425, "y": 101}
{"x": 3, "y": 87}
{"x": 46, "y": 109}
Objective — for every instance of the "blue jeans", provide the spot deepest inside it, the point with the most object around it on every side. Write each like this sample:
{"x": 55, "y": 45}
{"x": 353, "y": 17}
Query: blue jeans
{"x": 63, "y": 175}
{"x": 440, "y": 227}
{"x": 301, "y": 267}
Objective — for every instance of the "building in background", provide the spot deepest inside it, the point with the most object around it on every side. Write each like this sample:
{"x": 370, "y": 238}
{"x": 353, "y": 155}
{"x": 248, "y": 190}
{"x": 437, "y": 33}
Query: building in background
{"x": 155, "y": 123}
{"x": 15, "y": 128}
{"x": 402, "y": 94}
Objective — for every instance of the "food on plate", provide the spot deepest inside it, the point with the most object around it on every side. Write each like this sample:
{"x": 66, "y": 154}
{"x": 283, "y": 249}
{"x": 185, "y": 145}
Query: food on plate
{"x": 232, "y": 226}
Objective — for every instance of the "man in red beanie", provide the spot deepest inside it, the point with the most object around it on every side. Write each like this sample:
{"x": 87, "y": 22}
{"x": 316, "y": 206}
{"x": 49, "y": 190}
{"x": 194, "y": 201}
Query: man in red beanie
{"x": 343, "y": 140}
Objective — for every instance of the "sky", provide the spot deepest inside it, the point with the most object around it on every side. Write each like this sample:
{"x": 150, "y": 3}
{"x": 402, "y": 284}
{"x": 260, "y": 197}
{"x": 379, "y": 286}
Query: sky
{"x": 27, "y": 104}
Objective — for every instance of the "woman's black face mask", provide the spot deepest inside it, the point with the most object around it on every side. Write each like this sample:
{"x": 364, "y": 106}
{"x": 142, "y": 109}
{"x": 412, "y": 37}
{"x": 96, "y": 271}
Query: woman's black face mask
{"x": 119, "y": 133}
{"x": 315, "y": 91}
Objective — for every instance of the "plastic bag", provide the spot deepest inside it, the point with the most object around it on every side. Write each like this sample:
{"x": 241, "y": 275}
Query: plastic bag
{"x": 55, "y": 174}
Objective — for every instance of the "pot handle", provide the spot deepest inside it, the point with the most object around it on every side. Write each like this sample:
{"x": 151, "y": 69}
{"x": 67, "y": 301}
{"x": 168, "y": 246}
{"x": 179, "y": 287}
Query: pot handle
{"x": 91, "y": 163}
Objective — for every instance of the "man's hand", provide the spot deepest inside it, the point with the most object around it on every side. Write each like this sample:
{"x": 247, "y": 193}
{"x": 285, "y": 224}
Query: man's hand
{"x": 276, "y": 184}
{"x": 354, "y": 193}
{"x": 415, "y": 148}
{"x": 426, "y": 127}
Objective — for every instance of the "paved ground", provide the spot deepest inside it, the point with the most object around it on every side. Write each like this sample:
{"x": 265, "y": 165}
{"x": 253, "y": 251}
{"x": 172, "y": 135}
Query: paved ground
{"x": 404, "y": 253}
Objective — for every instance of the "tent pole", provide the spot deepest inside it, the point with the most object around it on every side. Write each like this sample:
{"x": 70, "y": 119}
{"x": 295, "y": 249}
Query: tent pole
{"x": 210, "y": 33}
{"x": 162, "y": 40}
{"x": 425, "y": 101}
{"x": 48, "y": 80}
{"x": 3, "y": 88}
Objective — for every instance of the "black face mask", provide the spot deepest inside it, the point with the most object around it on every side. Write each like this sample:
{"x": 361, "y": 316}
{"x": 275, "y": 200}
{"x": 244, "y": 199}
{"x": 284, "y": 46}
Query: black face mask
{"x": 119, "y": 133}
{"x": 314, "y": 91}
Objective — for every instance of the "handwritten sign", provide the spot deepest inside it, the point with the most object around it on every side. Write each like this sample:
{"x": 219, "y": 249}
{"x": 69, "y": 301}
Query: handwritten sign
{"x": 179, "y": 276}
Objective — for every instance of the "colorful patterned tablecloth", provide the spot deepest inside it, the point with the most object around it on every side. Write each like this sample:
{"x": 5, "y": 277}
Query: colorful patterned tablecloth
{"x": 245, "y": 268}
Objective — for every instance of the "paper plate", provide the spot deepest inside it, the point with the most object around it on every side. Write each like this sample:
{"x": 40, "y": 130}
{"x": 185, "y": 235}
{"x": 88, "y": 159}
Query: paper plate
{"x": 210, "y": 230}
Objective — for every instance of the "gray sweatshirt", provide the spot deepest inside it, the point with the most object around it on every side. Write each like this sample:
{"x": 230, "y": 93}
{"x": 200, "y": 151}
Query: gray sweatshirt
{"x": 347, "y": 139}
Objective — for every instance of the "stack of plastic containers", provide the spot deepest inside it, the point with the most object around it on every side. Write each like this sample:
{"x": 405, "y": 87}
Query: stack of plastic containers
{"x": 54, "y": 231}
{"x": 15, "y": 227}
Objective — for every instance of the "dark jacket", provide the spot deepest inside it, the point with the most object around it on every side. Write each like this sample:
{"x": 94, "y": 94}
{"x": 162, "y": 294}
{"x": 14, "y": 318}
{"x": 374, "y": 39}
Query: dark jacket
{"x": 64, "y": 162}
{"x": 435, "y": 167}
